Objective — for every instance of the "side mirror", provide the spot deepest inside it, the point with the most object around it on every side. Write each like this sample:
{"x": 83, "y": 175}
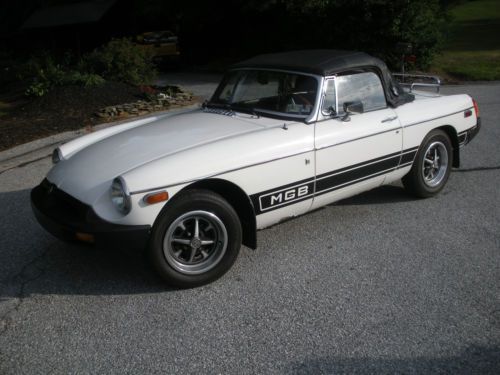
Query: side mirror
{"x": 352, "y": 108}
{"x": 331, "y": 111}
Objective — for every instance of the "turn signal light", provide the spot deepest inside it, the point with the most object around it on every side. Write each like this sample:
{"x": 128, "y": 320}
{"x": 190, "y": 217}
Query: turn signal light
{"x": 158, "y": 197}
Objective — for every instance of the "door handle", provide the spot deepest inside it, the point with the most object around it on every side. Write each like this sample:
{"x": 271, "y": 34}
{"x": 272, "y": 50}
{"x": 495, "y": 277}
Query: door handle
{"x": 389, "y": 119}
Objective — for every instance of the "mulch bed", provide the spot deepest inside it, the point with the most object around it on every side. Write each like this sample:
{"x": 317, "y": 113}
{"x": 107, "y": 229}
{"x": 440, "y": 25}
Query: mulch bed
{"x": 62, "y": 109}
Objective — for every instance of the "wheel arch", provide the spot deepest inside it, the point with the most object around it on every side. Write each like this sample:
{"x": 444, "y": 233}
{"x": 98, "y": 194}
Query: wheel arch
{"x": 237, "y": 198}
{"x": 452, "y": 133}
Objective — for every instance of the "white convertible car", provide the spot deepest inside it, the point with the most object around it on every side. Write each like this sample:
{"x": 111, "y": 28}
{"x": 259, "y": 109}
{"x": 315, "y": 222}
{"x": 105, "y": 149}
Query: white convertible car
{"x": 282, "y": 135}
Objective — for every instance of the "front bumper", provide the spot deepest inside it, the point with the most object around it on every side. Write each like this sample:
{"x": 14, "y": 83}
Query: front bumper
{"x": 71, "y": 220}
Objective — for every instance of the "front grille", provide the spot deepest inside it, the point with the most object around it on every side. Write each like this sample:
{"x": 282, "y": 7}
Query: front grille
{"x": 57, "y": 203}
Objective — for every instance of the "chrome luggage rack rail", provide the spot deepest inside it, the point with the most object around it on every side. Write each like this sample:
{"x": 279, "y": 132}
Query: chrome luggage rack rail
{"x": 418, "y": 80}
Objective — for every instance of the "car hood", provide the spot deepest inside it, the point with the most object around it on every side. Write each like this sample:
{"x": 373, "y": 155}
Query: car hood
{"x": 87, "y": 170}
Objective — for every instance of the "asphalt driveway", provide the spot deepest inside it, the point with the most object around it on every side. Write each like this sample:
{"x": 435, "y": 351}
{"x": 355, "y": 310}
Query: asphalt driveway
{"x": 200, "y": 84}
{"x": 378, "y": 283}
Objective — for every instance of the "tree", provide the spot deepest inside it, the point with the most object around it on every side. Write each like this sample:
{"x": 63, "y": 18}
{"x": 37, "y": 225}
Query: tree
{"x": 246, "y": 27}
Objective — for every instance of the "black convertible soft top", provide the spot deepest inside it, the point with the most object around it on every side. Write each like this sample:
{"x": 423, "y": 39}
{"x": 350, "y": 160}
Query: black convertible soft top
{"x": 326, "y": 62}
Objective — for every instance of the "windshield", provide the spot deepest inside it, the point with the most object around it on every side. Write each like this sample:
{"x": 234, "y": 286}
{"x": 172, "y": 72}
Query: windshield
{"x": 260, "y": 91}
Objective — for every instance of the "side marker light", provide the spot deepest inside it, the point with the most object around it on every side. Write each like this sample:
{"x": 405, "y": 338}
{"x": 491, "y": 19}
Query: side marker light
{"x": 157, "y": 197}
{"x": 85, "y": 237}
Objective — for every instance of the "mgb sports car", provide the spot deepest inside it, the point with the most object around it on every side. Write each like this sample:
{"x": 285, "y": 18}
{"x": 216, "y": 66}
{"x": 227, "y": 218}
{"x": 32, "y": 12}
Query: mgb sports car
{"x": 282, "y": 135}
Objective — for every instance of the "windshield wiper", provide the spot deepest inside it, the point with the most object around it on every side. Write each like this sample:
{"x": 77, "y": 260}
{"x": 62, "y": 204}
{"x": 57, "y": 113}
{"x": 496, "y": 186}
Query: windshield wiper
{"x": 254, "y": 112}
{"x": 207, "y": 104}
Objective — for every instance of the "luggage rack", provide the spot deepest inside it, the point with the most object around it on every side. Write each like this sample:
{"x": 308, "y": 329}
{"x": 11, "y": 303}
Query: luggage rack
{"x": 418, "y": 80}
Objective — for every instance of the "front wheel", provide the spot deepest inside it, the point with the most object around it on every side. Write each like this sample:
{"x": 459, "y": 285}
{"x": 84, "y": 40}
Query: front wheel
{"x": 432, "y": 166}
{"x": 195, "y": 240}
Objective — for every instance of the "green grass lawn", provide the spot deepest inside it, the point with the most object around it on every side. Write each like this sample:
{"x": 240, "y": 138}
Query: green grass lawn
{"x": 472, "y": 51}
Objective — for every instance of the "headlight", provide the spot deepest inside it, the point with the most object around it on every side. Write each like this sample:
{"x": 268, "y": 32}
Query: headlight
{"x": 56, "y": 156}
{"x": 120, "y": 196}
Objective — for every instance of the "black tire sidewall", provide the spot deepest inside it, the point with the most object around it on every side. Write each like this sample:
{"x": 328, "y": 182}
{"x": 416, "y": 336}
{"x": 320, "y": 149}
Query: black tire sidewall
{"x": 414, "y": 181}
{"x": 192, "y": 201}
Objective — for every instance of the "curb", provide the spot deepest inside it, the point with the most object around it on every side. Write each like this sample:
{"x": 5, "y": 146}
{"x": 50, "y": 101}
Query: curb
{"x": 41, "y": 148}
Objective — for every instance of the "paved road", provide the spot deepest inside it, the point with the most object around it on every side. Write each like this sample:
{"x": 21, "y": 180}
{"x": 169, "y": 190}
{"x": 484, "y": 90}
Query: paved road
{"x": 377, "y": 283}
{"x": 200, "y": 84}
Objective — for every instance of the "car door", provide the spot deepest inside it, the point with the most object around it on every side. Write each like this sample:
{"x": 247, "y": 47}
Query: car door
{"x": 354, "y": 152}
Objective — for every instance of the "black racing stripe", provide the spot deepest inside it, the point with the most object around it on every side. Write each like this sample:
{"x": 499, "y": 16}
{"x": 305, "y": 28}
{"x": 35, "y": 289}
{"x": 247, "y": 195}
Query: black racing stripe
{"x": 411, "y": 149}
{"x": 402, "y": 165}
{"x": 286, "y": 195}
{"x": 329, "y": 190}
{"x": 285, "y": 187}
{"x": 408, "y": 157}
{"x": 257, "y": 201}
{"x": 279, "y": 198}
{"x": 395, "y": 154}
{"x": 342, "y": 178}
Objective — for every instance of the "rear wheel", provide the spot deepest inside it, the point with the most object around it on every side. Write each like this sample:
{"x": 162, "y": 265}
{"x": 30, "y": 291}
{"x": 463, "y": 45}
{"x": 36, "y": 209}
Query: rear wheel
{"x": 195, "y": 240}
{"x": 432, "y": 166}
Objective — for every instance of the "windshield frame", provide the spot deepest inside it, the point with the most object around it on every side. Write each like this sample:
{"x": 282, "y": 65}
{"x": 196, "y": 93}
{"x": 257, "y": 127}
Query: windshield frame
{"x": 264, "y": 112}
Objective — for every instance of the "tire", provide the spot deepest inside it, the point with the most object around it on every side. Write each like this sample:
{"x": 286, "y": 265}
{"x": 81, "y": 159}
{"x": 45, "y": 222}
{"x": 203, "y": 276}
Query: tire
{"x": 185, "y": 256}
{"x": 429, "y": 174}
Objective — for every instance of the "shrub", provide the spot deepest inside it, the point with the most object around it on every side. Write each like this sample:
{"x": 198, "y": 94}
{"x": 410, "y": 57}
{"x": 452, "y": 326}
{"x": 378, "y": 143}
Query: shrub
{"x": 37, "y": 89}
{"x": 84, "y": 79}
{"x": 46, "y": 74}
{"x": 121, "y": 60}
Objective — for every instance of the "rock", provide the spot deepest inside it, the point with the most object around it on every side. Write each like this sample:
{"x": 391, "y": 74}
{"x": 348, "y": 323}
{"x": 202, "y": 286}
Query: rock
{"x": 174, "y": 96}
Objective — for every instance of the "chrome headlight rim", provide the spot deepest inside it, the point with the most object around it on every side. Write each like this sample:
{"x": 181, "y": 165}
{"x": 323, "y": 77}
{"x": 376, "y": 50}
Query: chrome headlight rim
{"x": 120, "y": 196}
